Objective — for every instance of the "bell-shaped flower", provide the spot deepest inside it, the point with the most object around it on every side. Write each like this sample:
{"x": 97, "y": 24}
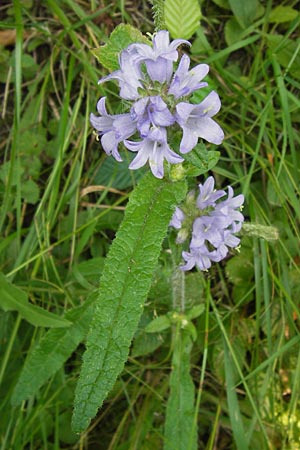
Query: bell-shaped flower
{"x": 159, "y": 58}
{"x": 200, "y": 257}
{"x": 186, "y": 81}
{"x": 208, "y": 194}
{"x": 129, "y": 76}
{"x": 112, "y": 128}
{"x": 196, "y": 122}
{"x": 154, "y": 148}
{"x": 206, "y": 228}
{"x": 228, "y": 211}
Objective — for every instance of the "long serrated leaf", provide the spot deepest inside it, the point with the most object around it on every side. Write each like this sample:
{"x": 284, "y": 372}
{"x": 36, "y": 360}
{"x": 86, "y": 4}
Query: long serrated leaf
{"x": 182, "y": 17}
{"x": 55, "y": 347}
{"x": 120, "y": 38}
{"x": 13, "y": 298}
{"x": 124, "y": 285}
{"x": 180, "y": 430}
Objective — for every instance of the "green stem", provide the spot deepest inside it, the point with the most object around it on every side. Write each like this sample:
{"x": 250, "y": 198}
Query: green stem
{"x": 158, "y": 9}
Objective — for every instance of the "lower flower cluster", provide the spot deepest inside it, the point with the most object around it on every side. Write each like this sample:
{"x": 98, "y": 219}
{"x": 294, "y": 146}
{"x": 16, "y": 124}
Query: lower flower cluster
{"x": 213, "y": 225}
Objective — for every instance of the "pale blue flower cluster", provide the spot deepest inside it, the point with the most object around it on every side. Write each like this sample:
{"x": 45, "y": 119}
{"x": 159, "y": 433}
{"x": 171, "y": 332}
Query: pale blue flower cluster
{"x": 158, "y": 104}
{"x": 214, "y": 225}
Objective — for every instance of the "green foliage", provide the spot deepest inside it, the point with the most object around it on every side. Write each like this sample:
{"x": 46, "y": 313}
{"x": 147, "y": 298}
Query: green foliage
{"x": 182, "y": 18}
{"x": 124, "y": 285}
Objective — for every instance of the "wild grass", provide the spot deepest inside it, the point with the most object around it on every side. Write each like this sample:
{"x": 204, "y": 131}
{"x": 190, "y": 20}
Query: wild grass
{"x": 62, "y": 202}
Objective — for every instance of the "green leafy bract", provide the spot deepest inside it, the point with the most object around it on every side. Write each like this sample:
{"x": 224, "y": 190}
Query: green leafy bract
{"x": 122, "y": 36}
{"x": 158, "y": 324}
{"x": 124, "y": 285}
{"x": 200, "y": 160}
{"x": 182, "y": 18}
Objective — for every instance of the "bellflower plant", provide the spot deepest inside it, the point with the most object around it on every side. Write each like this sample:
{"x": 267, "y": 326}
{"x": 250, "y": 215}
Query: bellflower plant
{"x": 161, "y": 125}
{"x": 158, "y": 100}
{"x": 213, "y": 225}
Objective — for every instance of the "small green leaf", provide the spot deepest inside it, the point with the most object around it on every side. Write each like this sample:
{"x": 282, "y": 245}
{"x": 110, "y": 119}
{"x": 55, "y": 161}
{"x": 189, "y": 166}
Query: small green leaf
{"x": 122, "y": 36}
{"x": 13, "y": 298}
{"x": 233, "y": 31}
{"x": 158, "y": 324}
{"x": 195, "y": 312}
{"x": 200, "y": 160}
{"x": 190, "y": 328}
{"x": 145, "y": 343}
{"x": 30, "y": 191}
{"x": 124, "y": 285}
{"x": 55, "y": 347}
{"x": 282, "y": 14}
{"x": 182, "y": 18}
{"x": 244, "y": 11}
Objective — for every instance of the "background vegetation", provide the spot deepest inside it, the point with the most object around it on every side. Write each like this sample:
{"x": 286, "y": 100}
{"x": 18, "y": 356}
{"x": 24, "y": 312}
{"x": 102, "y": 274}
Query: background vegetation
{"x": 62, "y": 201}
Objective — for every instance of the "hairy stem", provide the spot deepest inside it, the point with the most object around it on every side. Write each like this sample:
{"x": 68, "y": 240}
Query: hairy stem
{"x": 158, "y": 14}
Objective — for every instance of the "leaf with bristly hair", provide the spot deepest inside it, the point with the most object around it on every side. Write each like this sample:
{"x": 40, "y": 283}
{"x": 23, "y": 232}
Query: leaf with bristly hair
{"x": 124, "y": 285}
{"x": 122, "y": 36}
